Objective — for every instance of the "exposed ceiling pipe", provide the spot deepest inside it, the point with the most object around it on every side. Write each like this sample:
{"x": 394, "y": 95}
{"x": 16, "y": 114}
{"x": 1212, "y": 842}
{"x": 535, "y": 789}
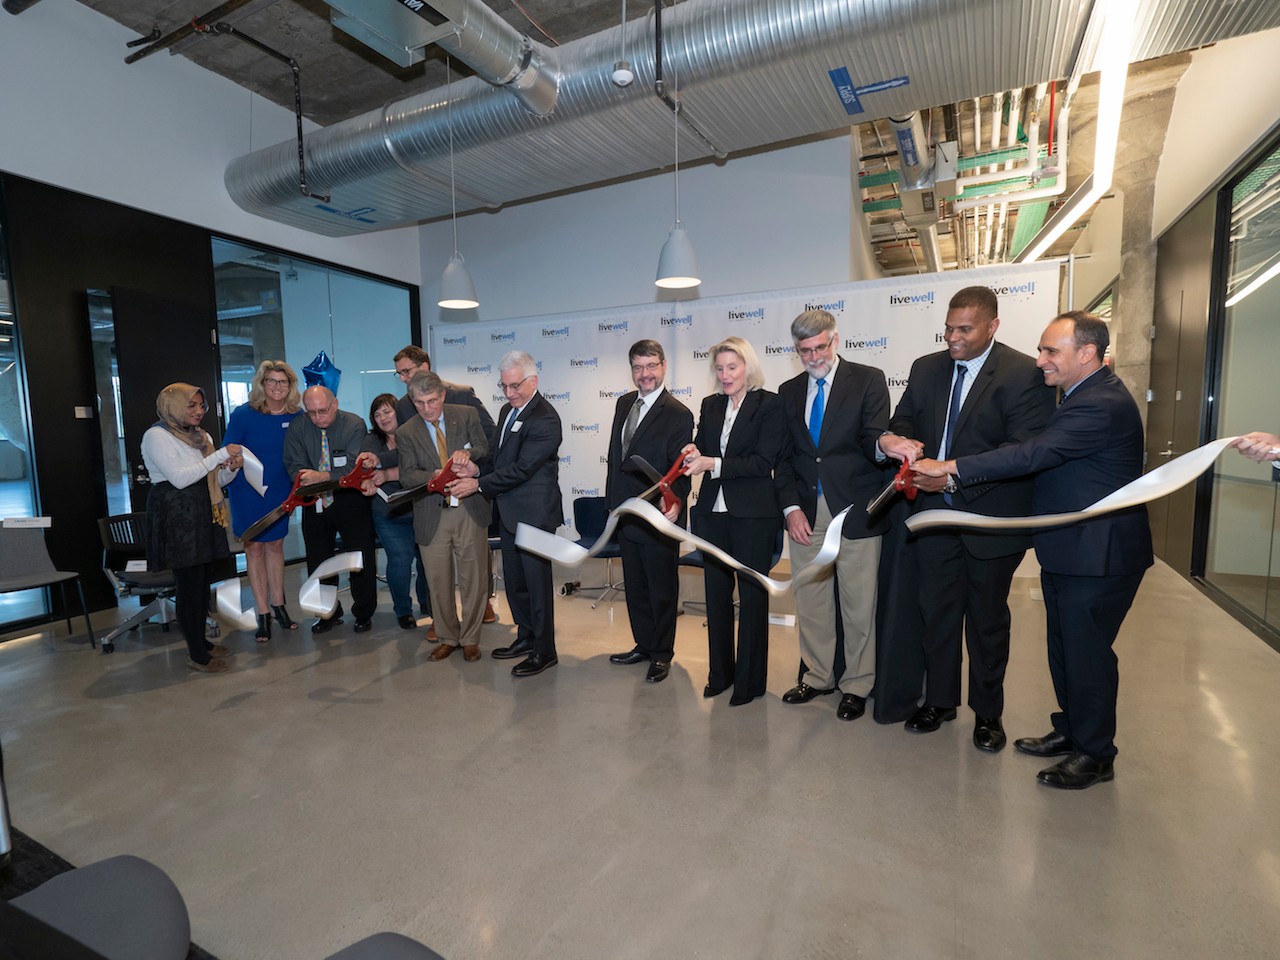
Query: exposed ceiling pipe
{"x": 190, "y": 28}
{"x": 997, "y": 110}
{"x": 17, "y": 6}
{"x": 862, "y": 258}
{"x": 1011, "y": 138}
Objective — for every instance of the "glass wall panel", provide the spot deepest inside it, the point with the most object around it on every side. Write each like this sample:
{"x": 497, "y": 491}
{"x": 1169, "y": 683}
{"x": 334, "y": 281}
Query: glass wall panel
{"x": 17, "y": 485}
{"x": 1242, "y": 557}
{"x": 275, "y": 307}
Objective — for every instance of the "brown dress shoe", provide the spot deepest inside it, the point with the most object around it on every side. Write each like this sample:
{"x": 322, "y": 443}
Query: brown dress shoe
{"x": 471, "y": 652}
{"x": 431, "y": 633}
{"x": 490, "y": 615}
{"x": 442, "y": 651}
{"x": 216, "y": 665}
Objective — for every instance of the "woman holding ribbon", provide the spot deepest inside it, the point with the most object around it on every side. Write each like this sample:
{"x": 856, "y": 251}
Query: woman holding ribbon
{"x": 741, "y": 435}
{"x": 186, "y": 513}
{"x": 260, "y": 425}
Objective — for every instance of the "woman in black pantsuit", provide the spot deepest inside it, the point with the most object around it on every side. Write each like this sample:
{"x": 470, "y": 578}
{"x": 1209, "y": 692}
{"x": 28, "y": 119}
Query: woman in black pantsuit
{"x": 741, "y": 433}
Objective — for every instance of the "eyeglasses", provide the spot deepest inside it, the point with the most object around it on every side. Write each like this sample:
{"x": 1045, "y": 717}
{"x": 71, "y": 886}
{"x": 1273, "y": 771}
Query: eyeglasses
{"x": 405, "y": 374}
{"x": 646, "y": 367}
{"x": 275, "y": 382}
{"x": 321, "y": 411}
{"x": 512, "y": 387}
{"x": 807, "y": 352}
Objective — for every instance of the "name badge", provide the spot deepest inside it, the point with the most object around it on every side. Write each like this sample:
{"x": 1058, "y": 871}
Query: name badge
{"x": 340, "y": 461}
{"x": 515, "y": 427}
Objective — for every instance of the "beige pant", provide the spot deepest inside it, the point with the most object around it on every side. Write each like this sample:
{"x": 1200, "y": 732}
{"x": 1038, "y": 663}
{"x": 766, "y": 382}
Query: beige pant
{"x": 855, "y": 570}
{"x": 458, "y": 547}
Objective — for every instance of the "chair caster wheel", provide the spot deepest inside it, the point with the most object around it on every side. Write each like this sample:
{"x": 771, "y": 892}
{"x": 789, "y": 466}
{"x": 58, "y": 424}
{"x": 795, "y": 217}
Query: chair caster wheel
{"x": 108, "y": 648}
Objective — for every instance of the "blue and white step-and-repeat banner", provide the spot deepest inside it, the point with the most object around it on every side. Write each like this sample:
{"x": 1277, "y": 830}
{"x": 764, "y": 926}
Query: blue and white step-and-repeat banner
{"x": 582, "y": 357}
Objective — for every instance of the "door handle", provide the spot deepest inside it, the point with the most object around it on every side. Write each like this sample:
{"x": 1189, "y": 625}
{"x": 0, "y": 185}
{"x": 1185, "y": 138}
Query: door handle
{"x": 1165, "y": 453}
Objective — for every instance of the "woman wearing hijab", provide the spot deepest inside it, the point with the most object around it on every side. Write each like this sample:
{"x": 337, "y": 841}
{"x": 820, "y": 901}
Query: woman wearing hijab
{"x": 740, "y": 438}
{"x": 186, "y": 512}
{"x": 260, "y": 425}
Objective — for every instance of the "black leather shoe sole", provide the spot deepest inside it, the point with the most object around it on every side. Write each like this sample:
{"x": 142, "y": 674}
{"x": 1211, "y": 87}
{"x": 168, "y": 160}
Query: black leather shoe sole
{"x": 533, "y": 666}
{"x": 626, "y": 659}
{"x": 324, "y": 626}
{"x": 364, "y": 626}
{"x": 408, "y": 623}
{"x": 1054, "y": 745}
{"x": 1077, "y": 772}
{"x": 513, "y": 652}
{"x": 929, "y": 719}
{"x": 988, "y": 740}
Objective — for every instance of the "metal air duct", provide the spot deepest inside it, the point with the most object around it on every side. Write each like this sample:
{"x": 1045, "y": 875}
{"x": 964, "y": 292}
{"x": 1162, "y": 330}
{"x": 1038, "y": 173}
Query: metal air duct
{"x": 751, "y": 73}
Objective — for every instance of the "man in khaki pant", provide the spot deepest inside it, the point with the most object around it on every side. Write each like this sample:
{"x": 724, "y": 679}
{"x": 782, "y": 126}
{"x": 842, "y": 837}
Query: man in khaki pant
{"x": 451, "y": 532}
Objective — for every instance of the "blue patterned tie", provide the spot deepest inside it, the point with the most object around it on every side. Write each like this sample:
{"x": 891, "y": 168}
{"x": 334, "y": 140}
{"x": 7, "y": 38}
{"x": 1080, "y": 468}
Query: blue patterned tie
{"x": 325, "y": 465}
{"x": 953, "y": 414}
{"x": 815, "y": 419}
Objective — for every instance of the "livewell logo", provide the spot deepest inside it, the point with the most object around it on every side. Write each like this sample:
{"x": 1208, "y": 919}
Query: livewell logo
{"x": 506, "y": 337}
{"x": 779, "y": 348}
{"x": 618, "y": 326}
{"x": 684, "y": 321}
{"x": 681, "y": 391}
{"x": 454, "y": 341}
{"x": 919, "y": 301}
{"x": 611, "y": 394}
{"x": 584, "y": 361}
{"x": 586, "y": 491}
{"x": 1016, "y": 292}
{"x": 898, "y": 381}
{"x": 566, "y": 460}
{"x": 555, "y": 331}
{"x": 702, "y": 353}
{"x": 756, "y": 314}
{"x": 479, "y": 368}
{"x": 834, "y": 307}
{"x": 559, "y": 397}
{"x": 879, "y": 345}
{"x": 584, "y": 428}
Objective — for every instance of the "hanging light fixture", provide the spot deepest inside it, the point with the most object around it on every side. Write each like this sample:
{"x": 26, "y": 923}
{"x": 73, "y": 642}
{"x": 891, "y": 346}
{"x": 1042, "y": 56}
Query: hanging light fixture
{"x": 622, "y": 73}
{"x": 677, "y": 266}
{"x": 457, "y": 289}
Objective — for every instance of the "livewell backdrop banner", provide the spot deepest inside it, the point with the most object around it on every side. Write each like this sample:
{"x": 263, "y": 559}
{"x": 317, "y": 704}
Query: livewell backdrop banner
{"x": 582, "y": 357}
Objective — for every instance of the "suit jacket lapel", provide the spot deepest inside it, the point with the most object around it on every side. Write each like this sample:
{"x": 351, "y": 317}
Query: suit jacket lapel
{"x": 650, "y": 416}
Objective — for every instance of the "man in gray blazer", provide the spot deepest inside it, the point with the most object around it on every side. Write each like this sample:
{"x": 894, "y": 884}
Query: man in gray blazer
{"x": 451, "y": 531}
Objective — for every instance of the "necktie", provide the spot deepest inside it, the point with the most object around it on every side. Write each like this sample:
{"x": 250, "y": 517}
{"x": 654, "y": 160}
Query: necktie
{"x": 326, "y": 464}
{"x": 506, "y": 427}
{"x": 629, "y": 428}
{"x": 815, "y": 419}
{"x": 953, "y": 414}
{"x": 441, "y": 448}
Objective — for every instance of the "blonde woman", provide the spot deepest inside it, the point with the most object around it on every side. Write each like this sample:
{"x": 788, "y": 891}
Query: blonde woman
{"x": 186, "y": 512}
{"x": 260, "y": 425}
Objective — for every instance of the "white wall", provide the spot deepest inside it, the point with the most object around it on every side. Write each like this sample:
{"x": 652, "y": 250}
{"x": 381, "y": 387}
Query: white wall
{"x": 764, "y": 222}
{"x": 1225, "y": 103}
{"x": 155, "y": 135}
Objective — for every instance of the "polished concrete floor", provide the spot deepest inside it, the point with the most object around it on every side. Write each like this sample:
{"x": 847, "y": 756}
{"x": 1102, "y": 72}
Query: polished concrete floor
{"x": 324, "y": 790}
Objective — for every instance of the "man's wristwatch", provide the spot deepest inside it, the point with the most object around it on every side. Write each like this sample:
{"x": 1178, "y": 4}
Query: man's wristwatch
{"x": 951, "y": 485}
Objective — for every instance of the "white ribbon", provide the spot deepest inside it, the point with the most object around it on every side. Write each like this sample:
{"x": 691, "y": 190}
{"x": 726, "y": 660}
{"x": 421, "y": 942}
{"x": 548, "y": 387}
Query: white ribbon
{"x": 227, "y": 593}
{"x": 559, "y": 550}
{"x": 253, "y": 471}
{"x": 321, "y": 599}
{"x": 1160, "y": 482}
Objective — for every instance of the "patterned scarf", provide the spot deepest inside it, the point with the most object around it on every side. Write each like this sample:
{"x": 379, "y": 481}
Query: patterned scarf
{"x": 171, "y": 407}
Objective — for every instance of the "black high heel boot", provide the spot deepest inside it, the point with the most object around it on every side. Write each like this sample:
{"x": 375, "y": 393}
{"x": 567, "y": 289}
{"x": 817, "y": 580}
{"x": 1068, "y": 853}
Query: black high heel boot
{"x": 283, "y": 618}
{"x": 264, "y": 628}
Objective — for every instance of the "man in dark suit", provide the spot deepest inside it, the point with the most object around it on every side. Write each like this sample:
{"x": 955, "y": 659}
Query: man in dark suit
{"x": 648, "y": 422}
{"x": 1090, "y": 571}
{"x": 974, "y": 396}
{"x": 411, "y": 361}
{"x": 523, "y": 482}
{"x": 835, "y": 412}
{"x": 451, "y": 532}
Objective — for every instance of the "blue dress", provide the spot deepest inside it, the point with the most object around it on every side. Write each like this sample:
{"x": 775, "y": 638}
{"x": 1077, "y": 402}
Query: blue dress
{"x": 263, "y": 433}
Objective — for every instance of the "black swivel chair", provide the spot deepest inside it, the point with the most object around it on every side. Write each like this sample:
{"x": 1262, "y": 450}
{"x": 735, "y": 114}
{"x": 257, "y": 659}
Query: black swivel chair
{"x": 590, "y": 514}
{"x": 122, "y": 542}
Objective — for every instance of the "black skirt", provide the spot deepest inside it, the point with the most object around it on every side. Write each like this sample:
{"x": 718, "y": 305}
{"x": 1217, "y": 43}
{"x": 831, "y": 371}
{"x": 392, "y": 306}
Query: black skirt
{"x": 180, "y": 527}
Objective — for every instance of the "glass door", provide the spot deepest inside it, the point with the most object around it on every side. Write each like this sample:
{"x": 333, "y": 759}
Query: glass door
{"x": 1242, "y": 558}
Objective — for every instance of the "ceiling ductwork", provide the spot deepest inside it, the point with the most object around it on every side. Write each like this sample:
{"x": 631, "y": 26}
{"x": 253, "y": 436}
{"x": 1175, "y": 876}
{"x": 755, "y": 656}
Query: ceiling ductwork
{"x": 751, "y": 73}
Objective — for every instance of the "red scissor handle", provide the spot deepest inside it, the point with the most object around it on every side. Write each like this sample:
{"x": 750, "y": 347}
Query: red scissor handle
{"x": 905, "y": 481}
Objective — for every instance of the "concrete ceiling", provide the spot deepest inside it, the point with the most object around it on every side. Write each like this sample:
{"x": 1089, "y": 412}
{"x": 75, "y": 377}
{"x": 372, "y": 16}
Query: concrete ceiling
{"x": 341, "y": 77}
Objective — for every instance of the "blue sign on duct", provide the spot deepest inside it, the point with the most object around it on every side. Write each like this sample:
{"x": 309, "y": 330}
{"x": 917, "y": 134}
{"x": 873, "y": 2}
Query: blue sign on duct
{"x": 849, "y": 94}
{"x": 359, "y": 214}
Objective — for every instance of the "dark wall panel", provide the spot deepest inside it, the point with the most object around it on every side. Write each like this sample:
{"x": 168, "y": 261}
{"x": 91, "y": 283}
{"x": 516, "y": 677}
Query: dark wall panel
{"x": 60, "y": 245}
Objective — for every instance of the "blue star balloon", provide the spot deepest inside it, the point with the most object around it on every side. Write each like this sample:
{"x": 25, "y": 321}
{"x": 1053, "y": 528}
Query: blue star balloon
{"x": 321, "y": 372}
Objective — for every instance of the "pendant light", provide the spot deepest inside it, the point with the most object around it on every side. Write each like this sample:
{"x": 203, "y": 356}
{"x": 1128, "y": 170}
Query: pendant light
{"x": 457, "y": 289}
{"x": 677, "y": 266}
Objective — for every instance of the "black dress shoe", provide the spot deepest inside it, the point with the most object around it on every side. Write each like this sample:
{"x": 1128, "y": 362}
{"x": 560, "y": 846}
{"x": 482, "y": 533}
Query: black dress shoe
{"x": 325, "y": 624}
{"x": 521, "y": 648}
{"x": 738, "y": 699}
{"x": 1050, "y": 745}
{"x": 1077, "y": 772}
{"x": 635, "y": 655}
{"x": 851, "y": 707}
{"x": 927, "y": 719}
{"x": 988, "y": 734}
{"x": 803, "y": 693}
{"x": 658, "y": 671}
{"x": 711, "y": 690}
{"x": 408, "y": 623}
{"x": 533, "y": 665}
{"x": 364, "y": 626}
